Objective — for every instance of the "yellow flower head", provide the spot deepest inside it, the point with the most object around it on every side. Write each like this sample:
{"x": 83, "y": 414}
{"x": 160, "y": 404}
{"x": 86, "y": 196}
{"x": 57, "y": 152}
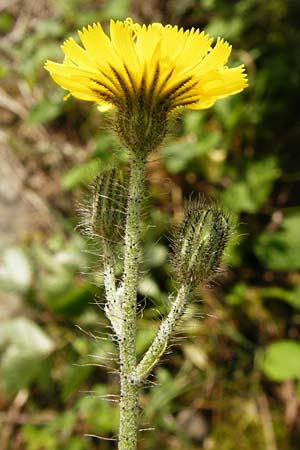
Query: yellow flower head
{"x": 151, "y": 68}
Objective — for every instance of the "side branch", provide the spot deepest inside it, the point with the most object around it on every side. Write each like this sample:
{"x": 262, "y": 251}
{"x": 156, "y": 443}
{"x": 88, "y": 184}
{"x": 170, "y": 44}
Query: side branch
{"x": 113, "y": 306}
{"x": 109, "y": 272}
{"x": 160, "y": 342}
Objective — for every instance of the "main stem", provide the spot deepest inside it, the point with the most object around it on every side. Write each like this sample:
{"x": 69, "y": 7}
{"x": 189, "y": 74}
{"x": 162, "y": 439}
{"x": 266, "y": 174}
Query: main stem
{"x": 128, "y": 360}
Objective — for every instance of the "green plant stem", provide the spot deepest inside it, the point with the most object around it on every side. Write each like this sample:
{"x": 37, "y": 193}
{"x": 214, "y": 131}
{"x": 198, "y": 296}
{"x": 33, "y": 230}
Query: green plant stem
{"x": 113, "y": 295}
{"x": 166, "y": 329}
{"x": 127, "y": 341}
{"x": 109, "y": 273}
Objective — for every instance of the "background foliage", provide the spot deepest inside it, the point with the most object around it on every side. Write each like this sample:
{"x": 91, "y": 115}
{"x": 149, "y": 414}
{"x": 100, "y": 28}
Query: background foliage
{"x": 234, "y": 382}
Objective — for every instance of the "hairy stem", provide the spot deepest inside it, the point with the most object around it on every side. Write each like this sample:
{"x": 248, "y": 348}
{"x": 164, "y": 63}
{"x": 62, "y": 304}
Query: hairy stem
{"x": 166, "y": 329}
{"x": 113, "y": 307}
{"x": 127, "y": 340}
{"x": 109, "y": 273}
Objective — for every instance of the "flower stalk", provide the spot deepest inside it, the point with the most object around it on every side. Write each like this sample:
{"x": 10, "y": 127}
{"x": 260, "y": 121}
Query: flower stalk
{"x": 127, "y": 340}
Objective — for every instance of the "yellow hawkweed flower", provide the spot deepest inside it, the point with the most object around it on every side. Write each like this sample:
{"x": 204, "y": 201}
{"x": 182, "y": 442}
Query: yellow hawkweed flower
{"x": 146, "y": 72}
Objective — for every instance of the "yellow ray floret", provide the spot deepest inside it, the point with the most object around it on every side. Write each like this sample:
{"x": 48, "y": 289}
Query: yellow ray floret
{"x": 154, "y": 66}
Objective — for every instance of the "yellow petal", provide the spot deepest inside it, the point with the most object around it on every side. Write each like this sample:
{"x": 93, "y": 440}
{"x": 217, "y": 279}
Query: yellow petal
{"x": 78, "y": 55}
{"x": 96, "y": 43}
{"x": 121, "y": 38}
{"x": 141, "y": 66}
{"x": 216, "y": 58}
{"x": 197, "y": 46}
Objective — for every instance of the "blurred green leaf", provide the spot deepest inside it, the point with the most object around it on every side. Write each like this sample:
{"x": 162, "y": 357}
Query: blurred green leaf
{"x": 32, "y": 54}
{"x": 55, "y": 435}
{"x": 292, "y": 297}
{"x": 281, "y": 360}
{"x": 15, "y": 270}
{"x": 6, "y": 22}
{"x": 280, "y": 250}
{"x": 155, "y": 255}
{"x": 149, "y": 288}
{"x": 58, "y": 264}
{"x": 164, "y": 393}
{"x": 4, "y": 69}
{"x": 179, "y": 154}
{"x": 81, "y": 174}
{"x": 249, "y": 193}
{"x": 118, "y": 9}
{"x": 99, "y": 413}
{"x": 37, "y": 438}
{"x": 44, "y": 111}
{"x": 50, "y": 27}
{"x": 72, "y": 303}
{"x": 23, "y": 346}
{"x": 237, "y": 295}
{"x": 145, "y": 335}
{"x": 228, "y": 28}
{"x": 73, "y": 378}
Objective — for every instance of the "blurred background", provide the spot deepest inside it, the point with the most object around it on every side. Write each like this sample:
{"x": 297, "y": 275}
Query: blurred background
{"x": 234, "y": 380}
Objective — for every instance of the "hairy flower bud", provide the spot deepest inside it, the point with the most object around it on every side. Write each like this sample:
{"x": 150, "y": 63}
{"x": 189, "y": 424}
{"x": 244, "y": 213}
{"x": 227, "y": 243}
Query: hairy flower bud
{"x": 105, "y": 217}
{"x": 200, "y": 242}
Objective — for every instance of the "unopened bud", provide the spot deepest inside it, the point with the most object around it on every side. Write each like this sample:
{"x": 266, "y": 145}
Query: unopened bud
{"x": 106, "y": 216}
{"x": 200, "y": 242}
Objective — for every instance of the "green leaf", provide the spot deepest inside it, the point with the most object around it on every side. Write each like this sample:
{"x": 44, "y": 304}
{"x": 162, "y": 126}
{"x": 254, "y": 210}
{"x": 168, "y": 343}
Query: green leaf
{"x": 99, "y": 413}
{"x": 24, "y": 345}
{"x": 73, "y": 378}
{"x": 6, "y": 22}
{"x": 249, "y": 193}
{"x": 155, "y": 256}
{"x": 50, "y": 27}
{"x": 44, "y": 111}
{"x": 169, "y": 386}
{"x": 81, "y": 174}
{"x": 115, "y": 8}
{"x": 237, "y": 295}
{"x": 15, "y": 270}
{"x": 56, "y": 434}
{"x": 228, "y": 28}
{"x": 281, "y": 360}
{"x": 149, "y": 288}
{"x": 72, "y": 303}
{"x": 4, "y": 69}
{"x": 291, "y": 297}
{"x": 145, "y": 336}
{"x": 179, "y": 154}
{"x": 280, "y": 250}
